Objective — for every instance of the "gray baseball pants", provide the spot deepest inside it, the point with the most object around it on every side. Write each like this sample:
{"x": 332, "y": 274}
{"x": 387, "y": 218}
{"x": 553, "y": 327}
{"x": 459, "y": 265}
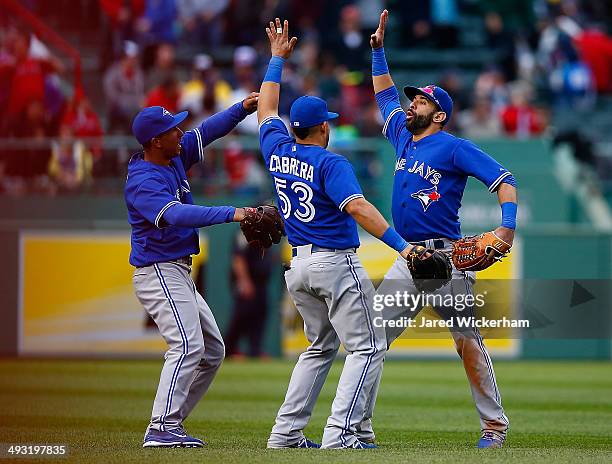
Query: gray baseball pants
{"x": 468, "y": 342}
{"x": 195, "y": 346}
{"x": 333, "y": 294}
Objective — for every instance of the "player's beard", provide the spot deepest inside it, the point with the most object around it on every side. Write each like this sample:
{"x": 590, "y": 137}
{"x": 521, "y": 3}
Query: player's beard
{"x": 419, "y": 122}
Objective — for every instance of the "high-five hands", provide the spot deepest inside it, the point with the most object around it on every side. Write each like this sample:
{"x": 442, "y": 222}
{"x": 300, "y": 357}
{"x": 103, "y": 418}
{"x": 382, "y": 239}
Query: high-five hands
{"x": 280, "y": 45}
{"x": 376, "y": 39}
{"x": 250, "y": 103}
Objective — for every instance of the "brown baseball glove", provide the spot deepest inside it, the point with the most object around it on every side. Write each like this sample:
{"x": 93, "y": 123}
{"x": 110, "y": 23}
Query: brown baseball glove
{"x": 262, "y": 226}
{"x": 478, "y": 252}
{"x": 430, "y": 269}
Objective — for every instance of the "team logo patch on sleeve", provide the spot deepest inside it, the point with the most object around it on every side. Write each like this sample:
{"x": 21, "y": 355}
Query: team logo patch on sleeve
{"x": 427, "y": 196}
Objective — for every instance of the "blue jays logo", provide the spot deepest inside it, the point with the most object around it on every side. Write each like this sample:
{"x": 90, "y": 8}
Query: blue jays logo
{"x": 427, "y": 196}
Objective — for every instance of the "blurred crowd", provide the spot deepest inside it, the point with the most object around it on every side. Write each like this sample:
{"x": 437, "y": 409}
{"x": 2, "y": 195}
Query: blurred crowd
{"x": 204, "y": 55}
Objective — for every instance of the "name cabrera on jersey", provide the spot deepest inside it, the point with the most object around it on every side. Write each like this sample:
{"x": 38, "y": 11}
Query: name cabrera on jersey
{"x": 313, "y": 186}
{"x": 431, "y": 174}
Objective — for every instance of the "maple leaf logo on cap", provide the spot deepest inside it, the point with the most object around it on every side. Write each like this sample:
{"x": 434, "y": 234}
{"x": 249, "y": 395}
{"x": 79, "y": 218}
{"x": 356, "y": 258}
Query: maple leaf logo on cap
{"x": 428, "y": 89}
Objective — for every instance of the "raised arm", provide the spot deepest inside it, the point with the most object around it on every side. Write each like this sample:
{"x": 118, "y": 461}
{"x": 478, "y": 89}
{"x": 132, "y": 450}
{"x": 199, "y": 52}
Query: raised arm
{"x": 381, "y": 79}
{"x": 218, "y": 125}
{"x": 281, "y": 48}
{"x": 222, "y": 123}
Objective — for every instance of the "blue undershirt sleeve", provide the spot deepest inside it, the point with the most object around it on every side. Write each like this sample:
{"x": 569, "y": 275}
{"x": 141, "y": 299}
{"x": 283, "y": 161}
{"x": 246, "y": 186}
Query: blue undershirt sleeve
{"x": 195, "y": 216}
{"x": 392, "y": 112}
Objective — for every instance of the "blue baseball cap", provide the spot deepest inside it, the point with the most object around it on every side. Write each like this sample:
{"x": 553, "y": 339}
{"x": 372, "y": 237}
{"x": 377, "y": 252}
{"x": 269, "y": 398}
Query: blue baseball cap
{"x": 435, "y": 94}
{"x": 308, "y": 111}
{"x": 155, "y": 120}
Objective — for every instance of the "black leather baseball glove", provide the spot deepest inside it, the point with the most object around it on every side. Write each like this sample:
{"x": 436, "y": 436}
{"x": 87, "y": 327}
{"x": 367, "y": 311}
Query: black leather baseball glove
{"x": 262, "y": 226}
{"x": 430, "y": 269}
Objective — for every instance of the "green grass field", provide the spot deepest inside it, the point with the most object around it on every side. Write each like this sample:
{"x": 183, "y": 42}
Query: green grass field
{"x": 560, "y": 412}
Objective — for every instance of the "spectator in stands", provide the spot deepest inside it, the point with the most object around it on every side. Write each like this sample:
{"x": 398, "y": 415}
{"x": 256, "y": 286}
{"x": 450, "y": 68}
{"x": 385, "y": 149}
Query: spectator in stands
{"x": 28, "y": 81}
{"x": 27, "y": 166}
{"x": 247, "y": 18}
{"x": 520, "y": 119}
{"x": 155, "y": 27}
{"x": 572, "y": 84}
{"x": 416, "y": 23}
{"x": 166, "y": 94}
{"x": 245, "y": 80}
{"x": 70, "y": 165}
{"x": 293, "y": 87}
{"x": 501, "y": 40}
{"x": 122, "y": 15}
{"x": 124, "y": 89}
{"x": 349, "y": 44}
{"x": 369, "y": 122}
{"x": 479, "y": 121}
{"x": 83, "y": 121}
{"x": 329, "y": 81}
{"x": 445, "y": 21}
{"x": 202, "y": 21}
{"x": 164, "y": 65}
{"x": 491, "y": 85}
{"x": 307, "y": 55}
{"x": 595, "y": 49}
{"x": 518, "y": 15}
{"x": 555, "y": 44}
{"x": 452, "y": 81}
{"x": 206, "y": 92}
{"x": 242, "y": 169}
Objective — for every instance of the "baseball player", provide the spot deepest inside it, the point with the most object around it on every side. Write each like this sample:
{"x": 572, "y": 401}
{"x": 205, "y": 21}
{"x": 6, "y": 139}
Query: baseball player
{"x": 164, "y": 236}
{"x": 321, "y": 201}
{"x": 431, "y": 171}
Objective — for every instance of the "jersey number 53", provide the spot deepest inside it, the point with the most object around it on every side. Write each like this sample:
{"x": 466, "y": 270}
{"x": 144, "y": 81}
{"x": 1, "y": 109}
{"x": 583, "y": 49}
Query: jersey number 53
{"x": 305, "y": 210}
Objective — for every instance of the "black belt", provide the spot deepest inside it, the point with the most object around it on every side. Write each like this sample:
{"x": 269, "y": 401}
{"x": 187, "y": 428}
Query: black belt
{"x": 438, "y": 244}
{"x": 318, "y": 249}
{"x": 185, "y": 260}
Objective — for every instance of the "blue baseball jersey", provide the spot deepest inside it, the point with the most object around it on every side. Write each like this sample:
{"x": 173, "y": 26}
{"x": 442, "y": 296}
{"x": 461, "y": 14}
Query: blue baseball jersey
{"x": 313, "y": 186}
{"x": 431, "y": 174}
{"x": 151, "y": 189}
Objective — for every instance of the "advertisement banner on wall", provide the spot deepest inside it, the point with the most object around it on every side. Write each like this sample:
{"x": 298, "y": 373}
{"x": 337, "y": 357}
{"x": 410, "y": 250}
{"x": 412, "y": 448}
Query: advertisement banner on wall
{"x": 76, "y": 296}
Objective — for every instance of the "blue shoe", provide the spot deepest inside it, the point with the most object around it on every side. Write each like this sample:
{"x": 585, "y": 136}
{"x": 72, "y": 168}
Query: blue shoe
{"x": 361, "y": 445}
{"x": 171, "y": 439}
{"x": 305, "y": 443}
{"x": 490, "y": 440}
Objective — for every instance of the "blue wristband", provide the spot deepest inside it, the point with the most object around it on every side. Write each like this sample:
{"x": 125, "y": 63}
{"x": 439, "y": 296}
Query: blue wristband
{"x": 509, "y": 210}
{"x": 394, "y": 240}
{"x": 379, "y": 62}
{"x": 275, "y": 70}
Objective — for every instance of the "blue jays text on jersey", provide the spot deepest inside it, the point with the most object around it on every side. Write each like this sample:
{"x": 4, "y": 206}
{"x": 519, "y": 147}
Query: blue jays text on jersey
{"x": 313, "y": 186}
{"x": 431, "y": 174}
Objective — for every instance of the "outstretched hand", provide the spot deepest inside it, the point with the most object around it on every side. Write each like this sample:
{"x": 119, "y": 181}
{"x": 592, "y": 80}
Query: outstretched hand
{"x": 250, "y": 103}
{"x": 280, "y": 45}
{"x": 376, "y": 39}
